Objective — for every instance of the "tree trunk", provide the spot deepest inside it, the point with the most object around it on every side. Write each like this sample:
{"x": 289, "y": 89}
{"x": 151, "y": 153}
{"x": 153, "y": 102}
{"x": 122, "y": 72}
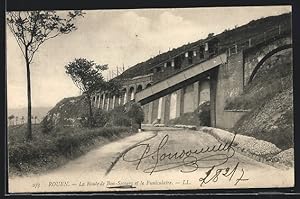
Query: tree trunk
{"x": 28, "y": 134}
{"x": 91, "y": 118}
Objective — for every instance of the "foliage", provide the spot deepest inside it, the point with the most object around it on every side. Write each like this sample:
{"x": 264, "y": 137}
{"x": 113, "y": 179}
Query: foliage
{"x": 31, "y": 29}
{"x": 84, "y": 121}
{"x": 249, "y": 100}
{"x": 210, "y": 35}
{"x": 87, "y": 76}
{"x": 51, "y": 150}
{"x": 47, "y": 125}
{"x": 204, "y": 113}
{"x": 130, "y": 115}
{"x": 136, "y": 113}
{"x": 113, "y": 87}
{"x": 73, "y": 112}
{"x": 200, "y": 117}
{"x": 270, "y": 100}
{"x": 118, "y": 117}
{"x": 186, "y": 119}
{"x": 100, "y": 118}
{"x": 266, "y": 83}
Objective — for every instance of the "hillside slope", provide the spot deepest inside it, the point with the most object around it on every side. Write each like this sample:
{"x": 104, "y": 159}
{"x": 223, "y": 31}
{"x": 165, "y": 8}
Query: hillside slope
{"x": 270, "y": 99}
{"x": 68, "y": 111}
{"x": 226, "y": 38}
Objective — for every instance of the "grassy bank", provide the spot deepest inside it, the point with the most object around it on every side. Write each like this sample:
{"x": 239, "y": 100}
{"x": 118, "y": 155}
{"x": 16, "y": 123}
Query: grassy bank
{"x": 49, "y": 151}
{"x": 270, "y": 100}
{"x": 275, "y": 76}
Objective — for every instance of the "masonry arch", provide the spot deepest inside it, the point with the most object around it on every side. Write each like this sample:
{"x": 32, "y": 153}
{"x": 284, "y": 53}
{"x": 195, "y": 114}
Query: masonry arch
{"x": 123, "y": 96}
{"x": 100, "y": 100}
{"x": 139, "y": 88}
{"x": 268, "y": 55}
{"x": 148, "y": 85}
{"x": 131, "y": 93}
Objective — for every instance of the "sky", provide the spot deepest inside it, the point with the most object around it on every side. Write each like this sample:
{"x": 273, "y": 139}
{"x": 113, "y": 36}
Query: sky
{"x": 116, "y": 38}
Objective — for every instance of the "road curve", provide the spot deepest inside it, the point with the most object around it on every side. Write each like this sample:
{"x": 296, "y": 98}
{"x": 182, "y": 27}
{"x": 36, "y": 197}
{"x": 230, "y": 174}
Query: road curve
{"x": 153, "y": 160}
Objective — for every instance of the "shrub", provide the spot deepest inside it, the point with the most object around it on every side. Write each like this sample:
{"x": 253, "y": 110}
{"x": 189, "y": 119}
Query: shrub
{"x": 100, "y": 118}
{"x": 118, "y": 117}
{"x": 47, "y": 125}
{"x": 84, "y": 121}
{"x": 204, "y": 113}
{"x": 136, "y": 114}
{"x": 130, "y": 115}
{"x": 45, "y": 150}
{"x": 66, "y": 144}
{"x": 265, "y": 85}
{"x": 186, "y": 119}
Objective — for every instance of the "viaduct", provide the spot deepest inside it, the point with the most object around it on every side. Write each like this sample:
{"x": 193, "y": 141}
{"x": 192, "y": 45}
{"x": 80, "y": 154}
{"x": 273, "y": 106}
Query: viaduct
{"x": 215, "y": 69}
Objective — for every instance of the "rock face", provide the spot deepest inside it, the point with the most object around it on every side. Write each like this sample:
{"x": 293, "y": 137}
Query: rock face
{"x": 271, "y": 118}
{"x": 68, "y": 112}
{"x": 272, "y": 122}
{"x": 246, "y": 143}
{"x": 286, "y": 157}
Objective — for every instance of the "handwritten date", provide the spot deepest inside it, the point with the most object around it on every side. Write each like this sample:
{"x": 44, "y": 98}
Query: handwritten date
{"x": 213, "y": 175}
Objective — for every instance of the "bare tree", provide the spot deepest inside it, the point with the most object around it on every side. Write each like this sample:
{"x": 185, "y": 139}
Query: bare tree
{"x": 31, "y": 29}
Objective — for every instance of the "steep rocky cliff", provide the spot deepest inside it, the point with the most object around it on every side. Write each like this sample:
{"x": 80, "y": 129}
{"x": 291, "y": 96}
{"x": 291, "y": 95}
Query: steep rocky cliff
{"x": 270, "y": 98}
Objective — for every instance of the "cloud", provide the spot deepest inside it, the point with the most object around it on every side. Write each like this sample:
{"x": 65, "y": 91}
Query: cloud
{"x": 115, "y": 37}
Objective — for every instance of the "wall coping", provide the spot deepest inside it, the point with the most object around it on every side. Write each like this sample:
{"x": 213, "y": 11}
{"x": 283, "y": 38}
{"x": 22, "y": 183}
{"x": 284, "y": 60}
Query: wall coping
{"x": 237, "y": 110}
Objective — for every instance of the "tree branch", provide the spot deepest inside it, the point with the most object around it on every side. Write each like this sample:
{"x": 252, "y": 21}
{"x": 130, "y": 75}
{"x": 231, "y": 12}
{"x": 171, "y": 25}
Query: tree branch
{"x": 33, "y": 30}
{"x": 15, "y": 36}
{"x": 52, "y": 36}
{"x": 33, "y": 52}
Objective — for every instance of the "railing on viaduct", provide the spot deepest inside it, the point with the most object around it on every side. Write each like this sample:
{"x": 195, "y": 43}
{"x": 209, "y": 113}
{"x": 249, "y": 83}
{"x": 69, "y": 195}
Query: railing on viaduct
{"x": 138, "y": 84}
{"x": 254, "y": 40}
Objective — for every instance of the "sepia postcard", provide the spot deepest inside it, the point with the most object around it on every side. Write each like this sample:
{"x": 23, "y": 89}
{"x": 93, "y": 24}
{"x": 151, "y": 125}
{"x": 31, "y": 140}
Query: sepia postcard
{"x": 150, "y": 99}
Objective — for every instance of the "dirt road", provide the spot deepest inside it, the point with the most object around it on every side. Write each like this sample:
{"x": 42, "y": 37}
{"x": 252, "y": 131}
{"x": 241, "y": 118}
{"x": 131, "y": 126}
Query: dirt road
{"x": 166, "y": 158}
